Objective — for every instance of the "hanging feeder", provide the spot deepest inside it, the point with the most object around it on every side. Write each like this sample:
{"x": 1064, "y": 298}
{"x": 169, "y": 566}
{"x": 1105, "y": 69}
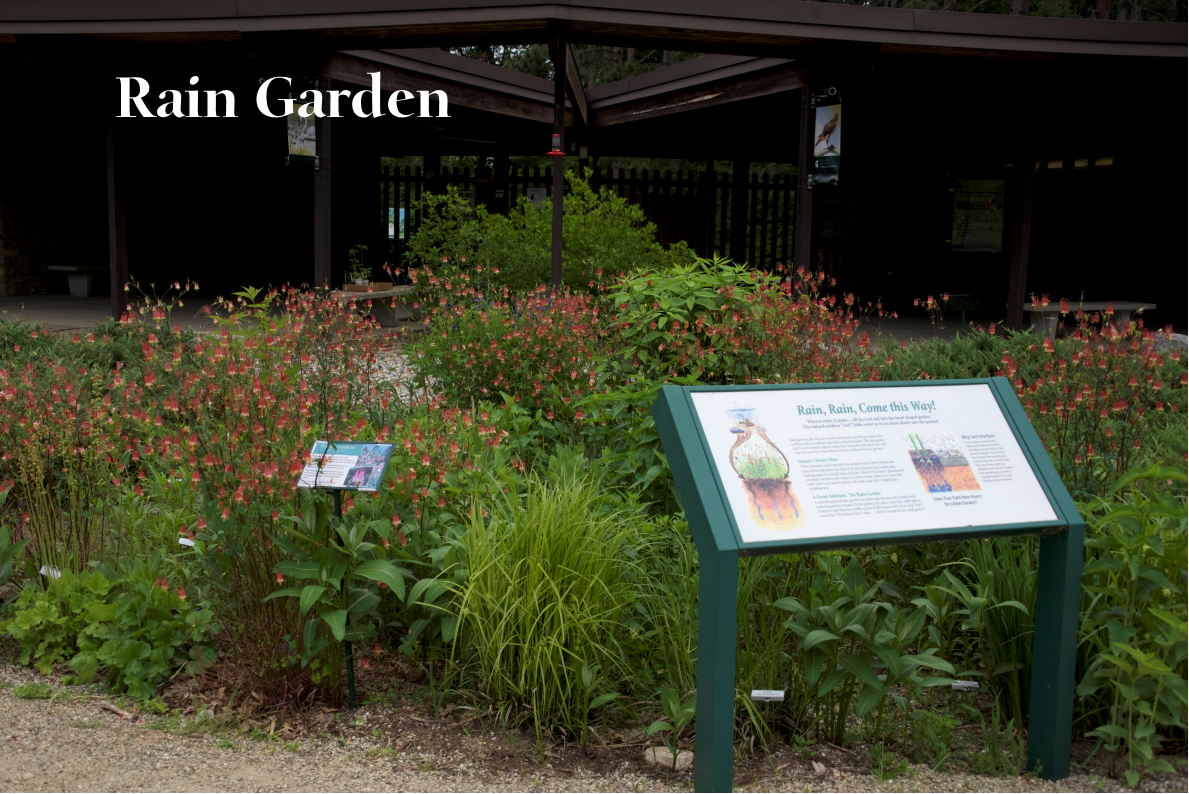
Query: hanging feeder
{"x": 557, "y": 152}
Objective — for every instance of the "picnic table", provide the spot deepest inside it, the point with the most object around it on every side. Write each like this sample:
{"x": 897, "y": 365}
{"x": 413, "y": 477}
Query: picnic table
{"x": 1046, "y": 317}
{"x": 387, "y": 307}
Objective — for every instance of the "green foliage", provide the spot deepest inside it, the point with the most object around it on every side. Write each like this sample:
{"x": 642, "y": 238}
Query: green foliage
{"x": 47, "y": 622}
{"x": 1003, "y": 754}
{"x": 1134, "y": 618}
{"x": 846, "y": 635}
{"x": 884, "y": 765}
{"x": 602, "y": 234}
{"x": 551, "y": 580}
{"x": 133, "y": 626}
{"x": 33, "y": 691}
{"x": 345, "y": 571}
{"x": 142, "y": 635}
{"x": 933, "y": 734}
{"x": 678, "y": 715}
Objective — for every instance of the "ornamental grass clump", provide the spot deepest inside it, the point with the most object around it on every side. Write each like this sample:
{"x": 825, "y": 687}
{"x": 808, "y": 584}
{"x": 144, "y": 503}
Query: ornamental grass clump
{"x": 551, "y": 581}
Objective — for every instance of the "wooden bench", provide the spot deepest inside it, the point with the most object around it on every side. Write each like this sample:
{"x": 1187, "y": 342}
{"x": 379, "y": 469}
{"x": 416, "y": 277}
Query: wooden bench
{"x": 388, "y": 306}
{"x": 1046, "y": 317}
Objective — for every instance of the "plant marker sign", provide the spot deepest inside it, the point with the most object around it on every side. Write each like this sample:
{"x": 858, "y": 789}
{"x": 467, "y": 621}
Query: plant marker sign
{"x": 804, "y": 467}
{"x": 346, "y": 466}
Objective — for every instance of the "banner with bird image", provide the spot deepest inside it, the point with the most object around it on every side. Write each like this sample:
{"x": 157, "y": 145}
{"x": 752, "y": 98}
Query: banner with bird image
{"x": 827, "y": 142}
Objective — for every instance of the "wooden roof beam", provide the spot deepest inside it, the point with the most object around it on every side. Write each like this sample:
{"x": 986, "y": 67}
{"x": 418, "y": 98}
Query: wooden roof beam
{"x": 636, "y": 106}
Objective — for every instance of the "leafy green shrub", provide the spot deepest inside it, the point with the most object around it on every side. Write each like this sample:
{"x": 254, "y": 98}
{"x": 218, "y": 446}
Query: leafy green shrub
{"x": 133, "y": 626}
{"x": 142, "y": 634}
{"x": 601, "y": 232}
{"x": 47, "y": 622}
{"x": 1133, "y": 629}
{"x": 846, "y": 634}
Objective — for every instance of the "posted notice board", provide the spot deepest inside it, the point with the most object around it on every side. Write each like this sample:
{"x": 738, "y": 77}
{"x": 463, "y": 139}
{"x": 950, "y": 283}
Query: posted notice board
{"x": 808, "y": 466}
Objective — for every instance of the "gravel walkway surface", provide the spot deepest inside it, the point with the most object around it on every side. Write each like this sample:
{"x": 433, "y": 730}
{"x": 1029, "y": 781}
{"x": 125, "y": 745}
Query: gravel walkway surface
{"x": 71, "y": 742}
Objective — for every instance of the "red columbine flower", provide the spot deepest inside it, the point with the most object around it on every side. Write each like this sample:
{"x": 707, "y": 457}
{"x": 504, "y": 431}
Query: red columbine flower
{"x": 366, "y": 663}
{"x": 395, "y": 520}
{"x": 378, "y": 651}
{"x": 181, "y": 593}
{"x": 403, "y": 540}
{"x": 279, "y": 577}
{"x": 275, "y": 515}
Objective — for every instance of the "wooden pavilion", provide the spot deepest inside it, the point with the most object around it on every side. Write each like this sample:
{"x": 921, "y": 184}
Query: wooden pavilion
{"x": 1071, "y": 115}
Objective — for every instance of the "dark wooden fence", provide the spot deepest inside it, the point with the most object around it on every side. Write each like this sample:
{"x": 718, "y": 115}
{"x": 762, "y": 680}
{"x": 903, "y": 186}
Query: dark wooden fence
{"x": 749, "y": 221}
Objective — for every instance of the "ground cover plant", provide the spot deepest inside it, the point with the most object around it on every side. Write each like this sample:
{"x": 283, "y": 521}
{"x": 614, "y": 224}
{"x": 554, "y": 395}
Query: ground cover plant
{"x": 526, "y": 555}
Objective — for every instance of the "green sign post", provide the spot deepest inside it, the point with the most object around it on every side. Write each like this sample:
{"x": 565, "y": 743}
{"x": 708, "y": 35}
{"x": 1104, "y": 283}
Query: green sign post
{"x": 805, "y": 467}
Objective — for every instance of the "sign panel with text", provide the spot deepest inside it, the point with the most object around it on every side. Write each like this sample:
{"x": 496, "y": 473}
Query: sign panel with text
{"x": 346, "y": 465}
{"x": 810, "y": 464}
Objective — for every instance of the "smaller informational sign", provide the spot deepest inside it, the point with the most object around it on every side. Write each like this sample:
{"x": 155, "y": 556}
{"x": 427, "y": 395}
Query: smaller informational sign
{"x": 827, "y": 141}
{"x": 536, "y": 195}
{"x": 978, "y": 215}
{"x": 346, "y": 465}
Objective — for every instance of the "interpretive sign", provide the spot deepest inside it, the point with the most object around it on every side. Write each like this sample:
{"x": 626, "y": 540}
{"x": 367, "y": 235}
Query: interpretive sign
{"x": 978, "y": 215}
{"x": 346, "y": 465}
{"x": 802, "y": 467}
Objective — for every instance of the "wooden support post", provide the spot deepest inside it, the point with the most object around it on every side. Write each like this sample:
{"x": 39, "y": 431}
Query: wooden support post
{"x": 323, "y": 274}
{"x": 557, "y": 52}
{"x": 739, "y": 210}
{"x": 803, "y": 209}
{"x": 1024, "y": 181}
{"x": 117, "y": 228}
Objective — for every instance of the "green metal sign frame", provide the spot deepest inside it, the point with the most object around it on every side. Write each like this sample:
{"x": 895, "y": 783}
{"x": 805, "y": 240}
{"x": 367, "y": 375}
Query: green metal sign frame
{"x": 712, "y": 524}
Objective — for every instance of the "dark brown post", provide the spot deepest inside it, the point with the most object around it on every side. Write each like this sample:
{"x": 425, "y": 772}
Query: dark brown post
{"x": 559, "y": 162}
{"x": 323, "y": 274}
{"x": 803, "y": 208}
{"x": 117, "y": 228}
{"x": 1021, "y": 209}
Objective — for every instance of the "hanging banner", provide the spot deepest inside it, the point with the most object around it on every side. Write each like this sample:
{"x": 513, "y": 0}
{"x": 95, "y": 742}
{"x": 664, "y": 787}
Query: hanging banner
{"x": 827, "y": 141}
{"x": 978, "y": 215}
{"x": 302, "y": 134}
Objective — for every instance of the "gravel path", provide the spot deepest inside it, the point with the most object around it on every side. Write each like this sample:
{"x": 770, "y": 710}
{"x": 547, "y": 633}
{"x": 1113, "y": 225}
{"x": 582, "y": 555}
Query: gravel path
{"x": 70, "y": 742}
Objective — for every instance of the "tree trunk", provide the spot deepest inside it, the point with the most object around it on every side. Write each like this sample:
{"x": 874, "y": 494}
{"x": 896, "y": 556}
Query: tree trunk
{"x": 631, "y": 54}
{"x": 618, "y": 54}
{"x": 1103, "y": 9}
{"x": 1020, "y": 7}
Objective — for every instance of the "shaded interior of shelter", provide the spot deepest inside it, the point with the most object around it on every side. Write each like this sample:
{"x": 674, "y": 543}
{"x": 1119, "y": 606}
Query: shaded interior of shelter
{"x": 214, "y": 199}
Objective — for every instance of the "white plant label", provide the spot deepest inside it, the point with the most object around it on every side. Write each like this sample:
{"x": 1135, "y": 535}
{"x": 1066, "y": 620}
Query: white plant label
{"x": 821, "y": 463}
